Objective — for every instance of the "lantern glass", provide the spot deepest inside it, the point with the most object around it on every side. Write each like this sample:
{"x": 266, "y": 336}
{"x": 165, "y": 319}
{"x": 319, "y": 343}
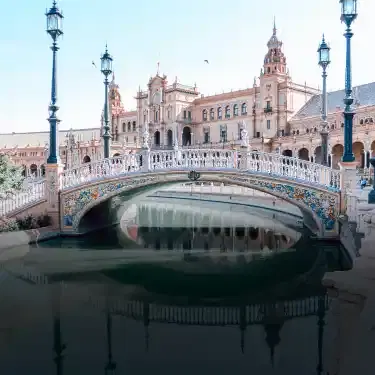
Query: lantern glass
{"x": 349, "y": 7}
{"x": 324, "y": 55}
{"x": 106, "y": 66}
{"x": 54, "y": 21}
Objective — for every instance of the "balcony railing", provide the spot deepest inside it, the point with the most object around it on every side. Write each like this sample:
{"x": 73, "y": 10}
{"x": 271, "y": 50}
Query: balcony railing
{"x": 268, "y": 110}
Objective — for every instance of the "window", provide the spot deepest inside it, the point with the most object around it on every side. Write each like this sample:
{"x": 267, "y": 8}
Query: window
{"x": 204, "y": 115}
{"x": 123, "y": 127}
{"x": 156, "y": 116}
{"x": 223, "y": 133}
{"x": 189, "y": 115}
{"x": 134, "y": 126}
{"x": 144, "y": 118}
{"x": 169, "y": 114}
{"x": 219, "y": 113}
{"x": 206, "y": 134}
{"x": 227, "y": 111}
{"x": 244, "y": 109}
{"x": 129, "y": 127}
{"x": 239, "y": 132}
{"x": 235, "y": 110}
{"x": 135, "y": 139}
{"x": 212, "y": 114}
{"x": 268, "y": 104}
{"x": 268, "y": 124}
{"x": 184, "y": 115}
{"x": 258, "y": 134}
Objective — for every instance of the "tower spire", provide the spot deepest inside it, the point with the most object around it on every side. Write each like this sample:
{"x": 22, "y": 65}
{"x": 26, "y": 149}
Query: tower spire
{"x": 274, "y": 25}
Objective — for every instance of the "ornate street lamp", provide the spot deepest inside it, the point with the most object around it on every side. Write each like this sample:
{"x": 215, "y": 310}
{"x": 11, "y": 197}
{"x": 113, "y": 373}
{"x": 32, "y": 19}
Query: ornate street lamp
{"x": 324, "y": 61}
{"x": 348, "y": 15}
{"x": 54, "y": 29}
{"x": 106, "y": 69}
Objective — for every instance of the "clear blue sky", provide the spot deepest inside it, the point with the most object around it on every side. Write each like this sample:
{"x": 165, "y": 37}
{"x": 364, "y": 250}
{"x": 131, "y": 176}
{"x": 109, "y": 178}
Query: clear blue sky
{"x": 179, "y": 34}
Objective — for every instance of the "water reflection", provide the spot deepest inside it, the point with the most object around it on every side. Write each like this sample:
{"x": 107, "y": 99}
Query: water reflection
{"x": 170, "y": 290}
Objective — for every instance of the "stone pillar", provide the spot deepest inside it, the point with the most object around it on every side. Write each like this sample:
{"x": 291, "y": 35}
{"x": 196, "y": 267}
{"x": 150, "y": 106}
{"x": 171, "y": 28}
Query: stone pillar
{"x": 348, "y": 181}
{"x": 243, "y": 159}
{"x": 52, "y": 190}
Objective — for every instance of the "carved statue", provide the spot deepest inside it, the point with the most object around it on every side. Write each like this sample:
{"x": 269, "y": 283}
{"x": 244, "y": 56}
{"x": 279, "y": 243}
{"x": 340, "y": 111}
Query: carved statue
{"x": 244, "y": 138}
{"x": 146, "y": 137}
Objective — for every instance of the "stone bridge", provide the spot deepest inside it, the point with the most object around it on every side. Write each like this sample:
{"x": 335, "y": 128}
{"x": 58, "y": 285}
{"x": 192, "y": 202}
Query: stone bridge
{"x": 314, "y": 188}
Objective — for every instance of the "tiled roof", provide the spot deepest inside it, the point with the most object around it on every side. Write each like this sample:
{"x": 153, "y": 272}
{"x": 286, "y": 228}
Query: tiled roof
{"x": 363, "y": 95}
{"x": 35, "y": 139}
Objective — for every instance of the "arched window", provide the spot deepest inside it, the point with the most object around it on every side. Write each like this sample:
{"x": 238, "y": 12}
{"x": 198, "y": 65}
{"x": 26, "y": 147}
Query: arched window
{"x": 212, "y": 114}
{"x": 235, "y": 110}
{"x": 134, "y": 126}
{"x": 204, "y": 115}
{"x": 227, "y": 111}
{"x": 244, "y": 109}
{"x": 123, "y": 127}
{"x": 129, "y": 127}
{"x": 219, "y": 113}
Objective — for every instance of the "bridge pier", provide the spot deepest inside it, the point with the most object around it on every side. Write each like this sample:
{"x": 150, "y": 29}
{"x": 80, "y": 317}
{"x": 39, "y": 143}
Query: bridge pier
{"x": 52, "y": 191}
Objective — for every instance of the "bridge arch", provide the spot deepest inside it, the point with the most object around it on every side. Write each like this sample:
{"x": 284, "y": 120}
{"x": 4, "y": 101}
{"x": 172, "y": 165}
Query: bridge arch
{"x": 319, "y": 207}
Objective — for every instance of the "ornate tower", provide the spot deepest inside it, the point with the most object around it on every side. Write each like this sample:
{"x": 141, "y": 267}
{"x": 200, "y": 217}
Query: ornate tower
{"x": 275, "y": 60}
{"x": 116, "y": 107}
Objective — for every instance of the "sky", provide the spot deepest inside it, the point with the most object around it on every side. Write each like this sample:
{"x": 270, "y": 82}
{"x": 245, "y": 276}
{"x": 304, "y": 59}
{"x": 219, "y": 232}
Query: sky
{"x": 178, "y": 34}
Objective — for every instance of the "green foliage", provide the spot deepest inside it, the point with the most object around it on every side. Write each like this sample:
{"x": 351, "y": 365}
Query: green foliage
{"x": 11, "y": 178}
{"x": 25, "y": 223}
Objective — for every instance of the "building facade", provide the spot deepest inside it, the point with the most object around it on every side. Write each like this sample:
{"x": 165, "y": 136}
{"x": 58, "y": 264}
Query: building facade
{"x": 278, "y": 114}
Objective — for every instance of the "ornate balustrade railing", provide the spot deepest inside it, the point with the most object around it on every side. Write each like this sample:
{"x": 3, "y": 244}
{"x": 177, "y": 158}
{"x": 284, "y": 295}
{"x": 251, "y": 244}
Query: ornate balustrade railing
{"x": 32, "y": 191}
{"x": 205, "y": 159}
{"x": 107, "y": 167}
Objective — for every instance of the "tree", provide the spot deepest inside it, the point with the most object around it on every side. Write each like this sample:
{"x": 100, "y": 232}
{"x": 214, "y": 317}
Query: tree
{"x": 11, "y": 177}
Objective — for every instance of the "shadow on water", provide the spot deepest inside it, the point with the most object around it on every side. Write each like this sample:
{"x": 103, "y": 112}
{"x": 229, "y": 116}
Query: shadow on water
{"x": 184, "y": 298}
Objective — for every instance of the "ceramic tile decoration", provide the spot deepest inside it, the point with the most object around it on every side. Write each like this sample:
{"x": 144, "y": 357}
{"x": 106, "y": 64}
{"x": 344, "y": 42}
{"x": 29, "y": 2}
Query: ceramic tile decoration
{"x": 325, "y": 205}
{"x": 75, "y": 202}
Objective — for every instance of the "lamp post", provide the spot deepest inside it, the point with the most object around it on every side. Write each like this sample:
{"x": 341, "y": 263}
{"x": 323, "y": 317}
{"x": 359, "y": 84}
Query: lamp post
{"x": 106, "y": 69}
{"x": 324, "y": 61}
{"x": 54, "y": 29}
{"x": 348, "y": 15}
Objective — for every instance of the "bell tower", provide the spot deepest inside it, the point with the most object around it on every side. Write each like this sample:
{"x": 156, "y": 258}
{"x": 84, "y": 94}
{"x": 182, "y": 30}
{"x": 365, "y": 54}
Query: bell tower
{"x": 275, "y": 60}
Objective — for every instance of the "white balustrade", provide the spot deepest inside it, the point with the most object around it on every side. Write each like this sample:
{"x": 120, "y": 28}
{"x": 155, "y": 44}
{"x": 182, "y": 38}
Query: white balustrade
{"x": 274, "y": 165}
{"x": 31, "y": 192}
{"x": 110, "y": 167}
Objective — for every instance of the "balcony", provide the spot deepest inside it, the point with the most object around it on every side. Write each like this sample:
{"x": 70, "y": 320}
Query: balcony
{"x": 268, "y": 110}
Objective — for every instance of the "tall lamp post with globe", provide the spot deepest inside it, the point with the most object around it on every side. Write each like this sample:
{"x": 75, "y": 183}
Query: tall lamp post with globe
{"x": 106, "y": 69}
{"x": 324, "y": 61}
{"x": 54, "y": 29}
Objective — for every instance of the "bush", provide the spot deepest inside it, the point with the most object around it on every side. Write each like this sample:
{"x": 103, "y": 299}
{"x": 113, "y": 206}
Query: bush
{"x": 28, "y": 222}
{"x": 8, "y": 225}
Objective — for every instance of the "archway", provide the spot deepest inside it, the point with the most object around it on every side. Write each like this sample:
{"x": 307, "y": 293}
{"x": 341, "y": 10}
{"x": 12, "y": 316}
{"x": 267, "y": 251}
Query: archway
{"x": 157, "y": 138}
{"x": 33, "y": 170}
{"x": 186, "y": 136}
{"x": 288, "y": 153}
{"x": 358, "y": 151}
{"x": 337, "y": 152}
{"x": 42, "y": 170}
{"x": 303, "y": 154}
{"x": 87, "y": 159}
{"x": 116, "y": 155}
{"x": 24, "y": 170}
{"x": 169, "y": 137}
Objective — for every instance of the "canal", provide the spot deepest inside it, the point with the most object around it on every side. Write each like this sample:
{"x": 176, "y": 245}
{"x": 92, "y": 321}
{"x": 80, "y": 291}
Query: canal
{"x": 175, "y": 287}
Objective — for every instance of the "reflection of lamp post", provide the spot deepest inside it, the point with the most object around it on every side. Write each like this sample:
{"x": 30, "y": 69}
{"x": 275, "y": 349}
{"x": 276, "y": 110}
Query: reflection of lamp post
{"x": 54, "y": 29}
{"x": 106, "y": 69}
{"x": 324, "y": 61}
{"x": 321, "y": 324}
{"x": 348, "y": 15}
{"x": 58, "y": 345}
{"x": 110, "y": 368}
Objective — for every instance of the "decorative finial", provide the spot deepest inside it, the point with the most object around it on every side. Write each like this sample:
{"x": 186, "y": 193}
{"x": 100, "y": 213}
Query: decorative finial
{"x": 158, "y": 69}
{"x": 274, "y": 25}
{"x": 323, "y": 38}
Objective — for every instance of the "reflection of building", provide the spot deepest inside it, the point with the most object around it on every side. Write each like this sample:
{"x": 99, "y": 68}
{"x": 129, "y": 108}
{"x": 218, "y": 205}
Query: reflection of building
{"x": 163, "y": 225}
{"x": 278, "y": 114}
